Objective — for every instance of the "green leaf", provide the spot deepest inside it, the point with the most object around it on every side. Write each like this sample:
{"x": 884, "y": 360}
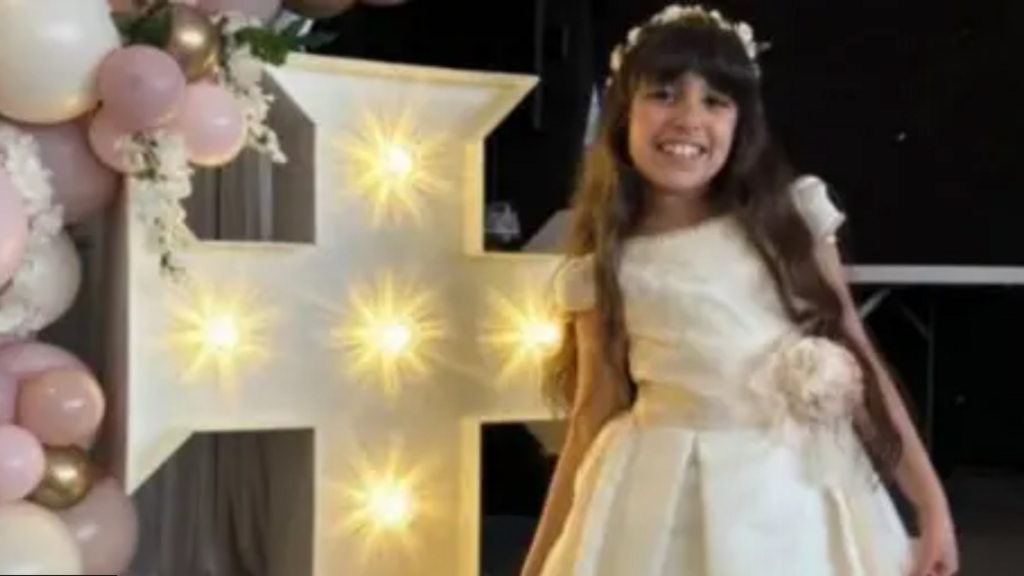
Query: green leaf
{"x": 266, "y": 44}
{"x": 124, "y": 23}
{"x": 153, "y": 30}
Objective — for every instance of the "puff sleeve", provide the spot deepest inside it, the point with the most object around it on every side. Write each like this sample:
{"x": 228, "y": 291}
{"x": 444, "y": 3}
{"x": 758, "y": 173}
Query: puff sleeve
{"x": 810, "y": 195}
{"x": 574, "y": 289}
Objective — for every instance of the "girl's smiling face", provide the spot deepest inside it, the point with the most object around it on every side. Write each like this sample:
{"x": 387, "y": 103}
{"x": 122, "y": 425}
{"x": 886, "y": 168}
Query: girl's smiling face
{"x": 681, "y": 134}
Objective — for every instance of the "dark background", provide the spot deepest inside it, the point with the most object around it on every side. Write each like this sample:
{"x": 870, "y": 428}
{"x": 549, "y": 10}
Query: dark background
{"x": 911, "y": 110}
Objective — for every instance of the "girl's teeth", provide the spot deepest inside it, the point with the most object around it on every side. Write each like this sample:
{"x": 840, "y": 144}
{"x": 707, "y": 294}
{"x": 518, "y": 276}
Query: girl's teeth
{"x": 688, "y": 151}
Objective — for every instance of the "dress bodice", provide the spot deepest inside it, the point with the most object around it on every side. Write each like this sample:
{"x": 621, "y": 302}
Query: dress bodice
{"x": 701, "y": 310}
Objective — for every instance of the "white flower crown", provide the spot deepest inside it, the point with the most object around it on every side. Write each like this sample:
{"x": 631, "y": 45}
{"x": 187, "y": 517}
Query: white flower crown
{"x": 680, "y": 15}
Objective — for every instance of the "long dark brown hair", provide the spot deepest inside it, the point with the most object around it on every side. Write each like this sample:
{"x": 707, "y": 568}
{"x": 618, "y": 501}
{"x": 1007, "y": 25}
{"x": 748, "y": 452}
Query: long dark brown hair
{"x": 754, "y": 185}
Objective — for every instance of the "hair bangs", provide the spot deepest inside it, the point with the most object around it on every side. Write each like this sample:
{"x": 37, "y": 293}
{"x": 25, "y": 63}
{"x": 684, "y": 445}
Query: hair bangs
{"x": 672, "y": 51}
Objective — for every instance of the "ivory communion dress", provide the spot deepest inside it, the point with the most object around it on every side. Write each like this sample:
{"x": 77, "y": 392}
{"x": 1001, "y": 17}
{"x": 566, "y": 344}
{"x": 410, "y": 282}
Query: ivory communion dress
{"x": 712, "y": 472}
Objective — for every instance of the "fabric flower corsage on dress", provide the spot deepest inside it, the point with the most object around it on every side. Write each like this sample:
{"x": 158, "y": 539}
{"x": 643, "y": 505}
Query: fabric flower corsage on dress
{"x": 820, "y": 382}
{"x": 812, "y": 386}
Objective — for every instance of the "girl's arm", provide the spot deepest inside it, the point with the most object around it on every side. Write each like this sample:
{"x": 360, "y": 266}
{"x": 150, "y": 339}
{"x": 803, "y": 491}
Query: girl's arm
{"x": 597, "y": 401}
{"x": 915, "y": 474}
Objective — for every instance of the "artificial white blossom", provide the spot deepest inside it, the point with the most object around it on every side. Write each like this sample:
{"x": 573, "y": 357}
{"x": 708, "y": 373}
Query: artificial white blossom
{"x": 158, "y": 188}
{"x": 820, "y": 381}
{"x": 810, "y": 388}
{"x": 242, "y": 73}
{"x": 19, "y": 156}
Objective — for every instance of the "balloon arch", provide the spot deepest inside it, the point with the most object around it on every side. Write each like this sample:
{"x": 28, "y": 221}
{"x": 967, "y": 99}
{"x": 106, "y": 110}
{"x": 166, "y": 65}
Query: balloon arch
{"x": 101, "y": 98}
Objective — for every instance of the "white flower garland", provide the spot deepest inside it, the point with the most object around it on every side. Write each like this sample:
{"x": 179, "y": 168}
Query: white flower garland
{"x": 159, "y": 178}
{"x": 19, "y": 154}
{"x": 242, "y": 74}
{"x": 160, "y": 175}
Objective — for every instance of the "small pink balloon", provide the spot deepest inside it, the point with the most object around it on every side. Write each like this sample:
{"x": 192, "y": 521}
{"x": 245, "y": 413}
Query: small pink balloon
{"x": 22, "y": 463}
{"x": 106, "y": 527}
{"x": 106, "y": 139}
{"x": 141, "y": 87}
{"x": 212, "y": 123}
{"x": 13, "y": 228}
{"x": 62, "y": 407}
{"x": 28, "y": 359}
{"x": 21, "y": 360}
{"x": 262, "y": 9}
{"x": 82, "y": 184}
{"x": 8, "y": 397}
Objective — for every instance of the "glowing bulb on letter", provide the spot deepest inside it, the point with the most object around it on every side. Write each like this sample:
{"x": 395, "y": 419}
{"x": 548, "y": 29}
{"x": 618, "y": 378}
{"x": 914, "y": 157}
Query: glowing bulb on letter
{"x": 541, "y": 334}
{"x": 390, "y": 505}
{"x": 398, "y": 161}
{"x": 395, "y": 165}
{"x": 218, "y": 331}
{"x": 395, "y": 338}
{"x": 222, "y": 333}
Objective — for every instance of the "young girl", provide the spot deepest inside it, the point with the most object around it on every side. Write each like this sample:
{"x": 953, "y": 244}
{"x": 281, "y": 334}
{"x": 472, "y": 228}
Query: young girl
{"x": 728, "y": 412}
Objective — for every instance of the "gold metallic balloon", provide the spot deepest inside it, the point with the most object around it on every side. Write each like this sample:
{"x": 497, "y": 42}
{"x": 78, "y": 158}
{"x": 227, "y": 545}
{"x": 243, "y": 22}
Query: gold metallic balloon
{"x": 318, "y": 8}
{"x": 68, "y": 478}
{"x": 194, "y": 41}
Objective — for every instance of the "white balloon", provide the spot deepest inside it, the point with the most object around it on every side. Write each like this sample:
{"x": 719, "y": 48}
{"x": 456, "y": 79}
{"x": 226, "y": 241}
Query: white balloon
{"x": 47, "y": 288}
{"x": 34, "y": 541}
{"x": 50, "y": 51}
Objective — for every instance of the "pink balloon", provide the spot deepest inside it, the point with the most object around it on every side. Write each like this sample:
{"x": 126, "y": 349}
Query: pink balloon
{"x": 28, "y": 359}
{"x": 82, "y": 184}
{"x": 212, "y": 123}
{"x": 263, "y": 9}
{"x": 21, "y": 463}
{"x": 62, "y": 407}
{"x": 105, "y": 137}
{"x": 9, "y": 340}
{"x": 8, "y": 397}
{"x": 106, "y": 527}
{"x": 13, "y": 228}
{"x": 141, "y": 87}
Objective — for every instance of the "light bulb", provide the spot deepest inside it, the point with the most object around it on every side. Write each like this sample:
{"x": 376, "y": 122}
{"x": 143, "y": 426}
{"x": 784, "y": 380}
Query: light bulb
{"x": 542, "y": 334}
{"x": 394, "y": 338}
{"x": 390, "y": 505}
{"x": 222, "y": 333}
{"x": 398, "y": 161}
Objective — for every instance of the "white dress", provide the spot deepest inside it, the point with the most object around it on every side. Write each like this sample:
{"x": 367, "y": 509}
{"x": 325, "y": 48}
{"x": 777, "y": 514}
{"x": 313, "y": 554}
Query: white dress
{"x": 712, "y": 473}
